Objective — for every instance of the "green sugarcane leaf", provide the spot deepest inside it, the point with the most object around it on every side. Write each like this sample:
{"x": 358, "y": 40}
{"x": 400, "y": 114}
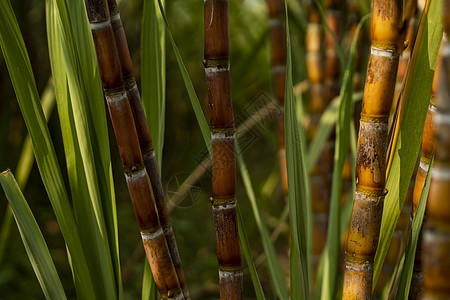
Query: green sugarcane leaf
{"x": 19, "y": 67}
{"x": 416, "y": 96}
{"x": 407, "y": 271}
{"x": 149, "y": 290}
{"x": 273, "y": 263}
{"x": 92, "y": 133}
{"x": 326, "y": 124}
{"x": 77, "y": 129}
{"x": 333, "y": 245}
{"x": 299, "y": 262}
{"x": 153, "y": 74}
{"x": 245, "y": 245}
{"x": 25, "y": 163}
{"x": 204, "y": 127}
{"x": 32, "y": 238}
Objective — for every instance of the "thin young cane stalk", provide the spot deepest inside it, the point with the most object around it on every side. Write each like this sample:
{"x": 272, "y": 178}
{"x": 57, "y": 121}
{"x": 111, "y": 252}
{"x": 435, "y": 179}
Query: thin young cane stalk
{"x": 145, "y": 140}
{"x": 320, "y": 179}
{"x": 138, "y": 181}
{"x": 371, "y": 151}
{"x": 278, "y": 65}
{"x": 217, "y": 70}
{"x": 436, "y": 230}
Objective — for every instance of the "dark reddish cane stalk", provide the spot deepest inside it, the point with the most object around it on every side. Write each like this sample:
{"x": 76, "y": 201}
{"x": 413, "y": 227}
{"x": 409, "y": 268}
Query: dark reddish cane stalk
{"x": 138, "y": 181}
{"x": 217, "y": 70}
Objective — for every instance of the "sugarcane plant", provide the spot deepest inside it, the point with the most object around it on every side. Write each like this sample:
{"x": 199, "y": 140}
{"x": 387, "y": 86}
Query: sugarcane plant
{"x": 96, "y": 267}
{"x": 372, "y": 146}
{"x": 138, "y": 181}
{"x": 145, "y": 140}
{"x": 217, "y": 70}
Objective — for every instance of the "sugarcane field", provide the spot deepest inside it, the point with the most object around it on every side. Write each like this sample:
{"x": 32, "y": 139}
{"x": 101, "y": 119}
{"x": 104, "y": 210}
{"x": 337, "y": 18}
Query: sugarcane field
{"x": 242, "y": 149}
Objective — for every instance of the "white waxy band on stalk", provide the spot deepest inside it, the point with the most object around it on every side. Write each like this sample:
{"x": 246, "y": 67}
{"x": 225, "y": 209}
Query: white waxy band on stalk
{"x": 432, "y": 108}
{"x": 229, "y": 274}
{"x": 149, "y": 236}
{"x": 150, "y": 154}
{"x": 215, "y": 69}
{"x": 432, "y": 236}
{"x": 134, "y": 87}
{"x": 446, "y": 50}
{"x": 424, "y": 166}
{"x": 117, "y": 97}
{"x": 100, "y": 25}
{"x": 275, "y": 22}
{"x": 136, "y": 175}
{"x": 278, "y": 69}
{"x": 441, "y": 118}
{"x": 225, "y": 206}
{"x": 358, "y": 267}
{"x": 382, "y": 52}
{"x": 440, "y": 173}
{"x": 177, "y": 297}
{"x": 222, "y": 135}
{"x": 115, "y": 17}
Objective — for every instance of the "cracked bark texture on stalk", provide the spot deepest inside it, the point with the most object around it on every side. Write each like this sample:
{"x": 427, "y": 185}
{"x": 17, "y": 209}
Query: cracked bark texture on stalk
{"x": 145, "y": 140}
{"x": 387, "y": 44}
{"x": 217, "y": 70}
{"x": 137, "y": 179}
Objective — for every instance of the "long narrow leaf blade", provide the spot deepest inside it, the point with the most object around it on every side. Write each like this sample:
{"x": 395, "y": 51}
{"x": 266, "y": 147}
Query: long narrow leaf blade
{"x": 332, "y": 249}
{"x": 407, "y": 271}
{"x": 297, "y": 187}
{"x": 248, "y": 257}
{"x": 204, "y": 127}
{"x": 275, "y": 271}
{"x": 153, "y": 75}
{"x": 19, "y": 67}
{"x": 32, "y": 238}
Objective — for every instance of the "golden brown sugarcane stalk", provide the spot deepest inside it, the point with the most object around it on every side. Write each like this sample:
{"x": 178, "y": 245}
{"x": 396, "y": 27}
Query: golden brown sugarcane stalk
{"x": 217, "y": 70}
{"x": 424, "y": 164}
{"x": 371, "y": 150}
{"x": 145, "y": 140}
{"x": 320, "y": 179}
{"x": 138, "y": 181}
{"x": 278, "y": 63}
{"x": 436, "y": 229}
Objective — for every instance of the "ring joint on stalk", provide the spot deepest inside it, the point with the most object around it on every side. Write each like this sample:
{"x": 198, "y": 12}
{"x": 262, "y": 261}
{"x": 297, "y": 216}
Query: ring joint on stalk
{"x": 130, "y": 82}
{"x": 116, "y": 94}
{"x": 224, "y": 203}
{"x": 151, "y": 233}
{"x": 369, "y": 194}
{"x": 148, "y": 153}
{"x": 100, "y": 25}
{"x": 134, "y": 171}
{"x": 223, "y": 63}
{"x": 390, "y": 50}
{"x": 374, "y": 118}
{"x": 227, "y": 132}
{"x": 230, "y": 271}
{"x": 352, "y": 263}
{"x": 280, "y": 69}
{"x": 276, "y": 21}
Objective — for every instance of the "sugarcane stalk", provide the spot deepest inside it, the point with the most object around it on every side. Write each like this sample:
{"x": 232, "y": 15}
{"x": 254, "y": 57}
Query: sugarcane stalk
{"x": 371, "y": 150}
{"x": 145, "y": 140}
{"x": 217, "y": 69}
{"x": 320, "y": 179}
{"x": 436, "y": 229}
{"x": 278, "y": 69}
{"x": 137, "y": 178}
